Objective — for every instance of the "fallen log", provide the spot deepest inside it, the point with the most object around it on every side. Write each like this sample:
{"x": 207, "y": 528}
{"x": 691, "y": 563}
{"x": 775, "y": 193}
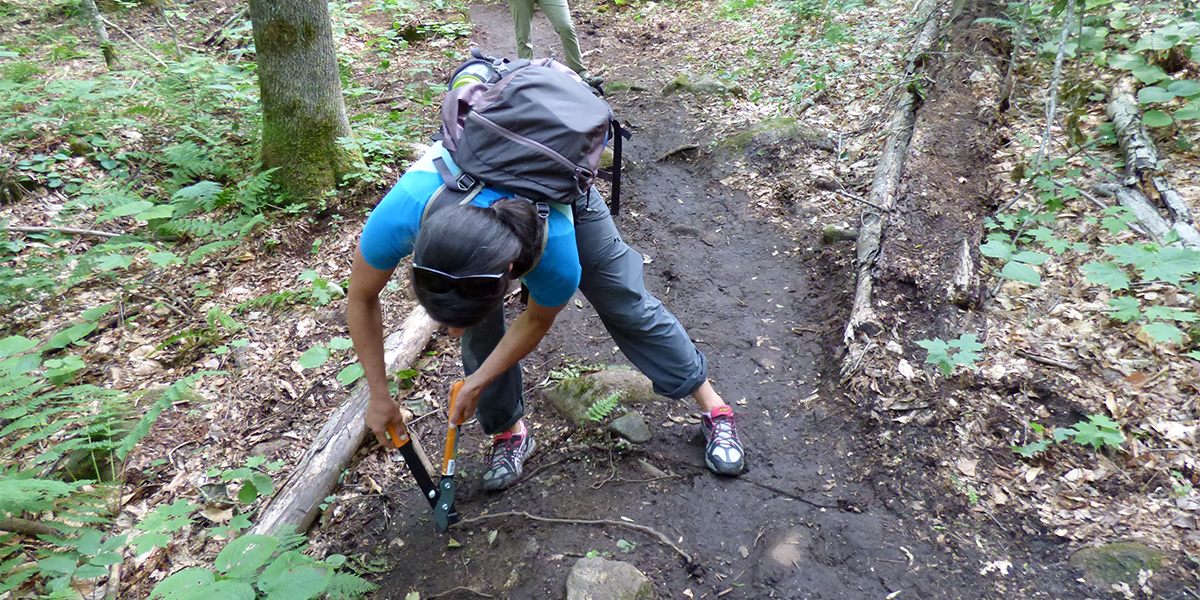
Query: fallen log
{"x": 882, "y": 197}
{"x": 1144, "y": 183}
{"x": 1155, "y": 226}
{"x": 297, "y": 503}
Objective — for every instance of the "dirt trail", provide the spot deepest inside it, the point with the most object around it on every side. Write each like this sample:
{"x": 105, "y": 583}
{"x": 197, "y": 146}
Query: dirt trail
{"x": 803, "y": 521}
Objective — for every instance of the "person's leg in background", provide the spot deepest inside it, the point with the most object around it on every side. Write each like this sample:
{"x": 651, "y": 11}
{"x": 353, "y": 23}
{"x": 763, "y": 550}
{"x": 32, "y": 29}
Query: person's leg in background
{"x": 559, "y": 15}
{"x": 522, "y": 14}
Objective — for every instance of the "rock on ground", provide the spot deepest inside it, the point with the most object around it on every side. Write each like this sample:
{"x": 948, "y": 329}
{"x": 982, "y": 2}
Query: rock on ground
{"x": 600, "y": 579}
{"x": 632, "y": 427}
{"x": 572, "y": 397}
{"x": 1117, "y": 563}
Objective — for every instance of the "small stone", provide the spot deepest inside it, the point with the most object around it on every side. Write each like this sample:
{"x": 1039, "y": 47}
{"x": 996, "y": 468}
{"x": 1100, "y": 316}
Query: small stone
{"x": 632, "y": 427}
{"x": 1117, "y": 563}
{"x": 270, "y": 447}
{"x": 147, "y": 367}
{"x": 600, "y": 579}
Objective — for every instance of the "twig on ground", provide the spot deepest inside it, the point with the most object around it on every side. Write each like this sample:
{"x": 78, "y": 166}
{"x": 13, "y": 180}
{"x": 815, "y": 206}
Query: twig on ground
{"x": 135, "y": 42}
{"x": 859, "y": 199}
{"x": 771, "y": 488}
{"x": 162, "y": 10}
{"x": 1082, "y": 192}
{"x": 1037, "y": 358}
{"x": 67, "y": 230}
{"x": 534, "y": 472}
{"x": 1055, "y": 82}
{"x": 627, "y": 481}
{"x": 25, "y": 526}
{"x": 170, "y": 304}
{"x": 612, "y": 465}
{"x": 220, "y": 32}
{"x": 461, "y": 588}
{"x": 1151, "y": 379}
{"x": 1051, "y": 108}
{"x": 666, "y": 541}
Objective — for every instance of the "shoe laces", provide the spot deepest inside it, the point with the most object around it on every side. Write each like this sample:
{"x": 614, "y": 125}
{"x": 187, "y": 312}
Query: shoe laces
{"x": 503, "y": 445}
{"x": 724, "y": 429}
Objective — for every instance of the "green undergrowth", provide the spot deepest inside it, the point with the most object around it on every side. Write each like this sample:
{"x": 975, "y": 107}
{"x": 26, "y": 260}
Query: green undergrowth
{"x": 164, "y": 153}
{"x": 1149, "y": 286}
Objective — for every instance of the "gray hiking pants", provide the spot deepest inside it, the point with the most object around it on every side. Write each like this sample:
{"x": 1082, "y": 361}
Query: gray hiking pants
{"x": 647, "y": 333}
{"x": 559, "y": 15}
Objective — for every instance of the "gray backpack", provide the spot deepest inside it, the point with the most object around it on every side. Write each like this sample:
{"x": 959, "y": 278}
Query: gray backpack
{"x": 533, "y": 128}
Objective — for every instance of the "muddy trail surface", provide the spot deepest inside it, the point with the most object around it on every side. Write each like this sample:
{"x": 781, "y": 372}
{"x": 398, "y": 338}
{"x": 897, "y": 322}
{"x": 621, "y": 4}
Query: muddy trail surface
{"x": 767, "y": 307}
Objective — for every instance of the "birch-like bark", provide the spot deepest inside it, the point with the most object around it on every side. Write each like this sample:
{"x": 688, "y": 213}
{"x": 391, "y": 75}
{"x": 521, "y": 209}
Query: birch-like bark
{"x": 106, "y": 46}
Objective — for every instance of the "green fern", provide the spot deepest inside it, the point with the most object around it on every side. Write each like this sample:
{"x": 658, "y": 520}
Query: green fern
{"x": 20, "y": 493}
{"x": 199, "y": 253}
{"x": 600, "y": 409}
{"x": 189, "y": 161}
{"x": 273, "y": 301}
{"x": 347, "y": 586}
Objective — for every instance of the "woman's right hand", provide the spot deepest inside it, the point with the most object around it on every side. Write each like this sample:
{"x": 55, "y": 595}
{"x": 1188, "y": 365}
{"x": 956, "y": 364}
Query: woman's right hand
{"x": 381, "y": 412}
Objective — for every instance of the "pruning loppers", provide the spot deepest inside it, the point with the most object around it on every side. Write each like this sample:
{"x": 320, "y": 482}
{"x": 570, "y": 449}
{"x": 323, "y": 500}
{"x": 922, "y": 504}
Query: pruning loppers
{"x": 441, "y": 495}
{"x": 443, "y": 511}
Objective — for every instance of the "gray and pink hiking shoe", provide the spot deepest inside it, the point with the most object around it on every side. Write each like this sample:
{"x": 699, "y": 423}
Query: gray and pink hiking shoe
{"x": 508, "y": 453}
{"x": 723, "y": 452}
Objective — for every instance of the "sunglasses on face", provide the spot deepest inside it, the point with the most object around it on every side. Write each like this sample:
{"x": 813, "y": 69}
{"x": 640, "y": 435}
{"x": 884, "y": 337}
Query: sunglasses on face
{"x": 468, "y": 286}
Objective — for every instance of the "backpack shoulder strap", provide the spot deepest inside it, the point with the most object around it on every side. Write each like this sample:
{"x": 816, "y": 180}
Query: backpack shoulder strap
{"x": 447, "y": 196}
{"x": 543, "y": 212}
{"x": 461, "y": 182}
{"x": 614, "y": 175}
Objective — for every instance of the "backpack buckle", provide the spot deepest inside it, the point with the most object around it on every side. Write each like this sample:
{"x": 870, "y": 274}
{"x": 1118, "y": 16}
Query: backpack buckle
{"x": 543, "y": 210}
{"x": 464, "y": 182}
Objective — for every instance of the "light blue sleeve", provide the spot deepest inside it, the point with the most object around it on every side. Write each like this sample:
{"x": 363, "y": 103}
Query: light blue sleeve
{"x": 390, "y": 230}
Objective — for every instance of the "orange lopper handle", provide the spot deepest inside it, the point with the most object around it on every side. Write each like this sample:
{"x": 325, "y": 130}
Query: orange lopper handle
{"x": 397, "y": 440}
{"x": 452, "y": 433}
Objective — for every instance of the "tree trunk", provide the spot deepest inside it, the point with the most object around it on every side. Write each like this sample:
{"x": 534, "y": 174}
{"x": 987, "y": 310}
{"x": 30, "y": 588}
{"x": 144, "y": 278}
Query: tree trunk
{"x": 106, "y": 46}
{"x": 301, "y": 94}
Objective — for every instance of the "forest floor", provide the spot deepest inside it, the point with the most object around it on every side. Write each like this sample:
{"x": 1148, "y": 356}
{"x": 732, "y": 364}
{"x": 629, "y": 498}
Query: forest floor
{"x": 881, "y": 480}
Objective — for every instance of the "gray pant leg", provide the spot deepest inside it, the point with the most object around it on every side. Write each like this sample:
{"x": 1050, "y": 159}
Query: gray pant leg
{"x": 501, "y": 404}
{"x": 647, "y": 333}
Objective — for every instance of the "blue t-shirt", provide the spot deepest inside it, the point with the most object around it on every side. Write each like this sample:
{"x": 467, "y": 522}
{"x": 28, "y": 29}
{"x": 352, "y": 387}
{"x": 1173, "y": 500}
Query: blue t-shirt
{"x": 392, "y": 227}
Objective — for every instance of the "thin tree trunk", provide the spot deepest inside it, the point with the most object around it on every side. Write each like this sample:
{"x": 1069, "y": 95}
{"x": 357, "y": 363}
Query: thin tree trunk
{"x": 301, "y": 93}
{"x": 106, "y": 46}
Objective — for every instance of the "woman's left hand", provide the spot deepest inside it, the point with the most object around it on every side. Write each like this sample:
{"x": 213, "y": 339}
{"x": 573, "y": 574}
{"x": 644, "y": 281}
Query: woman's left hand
{"x": 466, "y": 401}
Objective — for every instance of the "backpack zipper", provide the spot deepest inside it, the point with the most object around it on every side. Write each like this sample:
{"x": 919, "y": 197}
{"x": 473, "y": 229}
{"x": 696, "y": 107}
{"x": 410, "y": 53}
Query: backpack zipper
{"x": 528, "y": 143}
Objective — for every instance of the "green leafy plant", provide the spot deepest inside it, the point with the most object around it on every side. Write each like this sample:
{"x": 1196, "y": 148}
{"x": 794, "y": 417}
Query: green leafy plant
{"x": 600, "y": 409}
{"x": 257, "y": 566}
{"x": 1180, "y": 486}
{"x": 323, "y": 291}
{"x": 1098, "y": 432}
{"x": 318, "y": 355}
{"x": 948, "y": 354}
{"x": 254, "y": 477}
